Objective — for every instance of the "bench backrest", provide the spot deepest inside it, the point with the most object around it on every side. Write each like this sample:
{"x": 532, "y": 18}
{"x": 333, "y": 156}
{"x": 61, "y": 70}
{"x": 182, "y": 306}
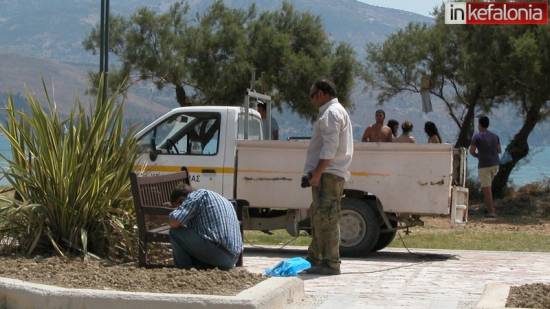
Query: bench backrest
{"x": 153, "y": 192}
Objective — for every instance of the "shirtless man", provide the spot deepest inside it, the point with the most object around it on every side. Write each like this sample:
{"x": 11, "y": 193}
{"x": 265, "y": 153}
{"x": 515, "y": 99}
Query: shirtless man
{"x": 378, "y": 132}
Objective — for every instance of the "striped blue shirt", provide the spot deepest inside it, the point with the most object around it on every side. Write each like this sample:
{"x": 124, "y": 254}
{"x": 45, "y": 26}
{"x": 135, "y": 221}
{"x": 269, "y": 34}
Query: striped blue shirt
{"x": 213, "y": 217}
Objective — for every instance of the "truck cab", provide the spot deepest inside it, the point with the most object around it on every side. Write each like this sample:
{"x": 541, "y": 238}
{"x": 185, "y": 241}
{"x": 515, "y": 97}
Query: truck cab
{"x": 201, "y": 140}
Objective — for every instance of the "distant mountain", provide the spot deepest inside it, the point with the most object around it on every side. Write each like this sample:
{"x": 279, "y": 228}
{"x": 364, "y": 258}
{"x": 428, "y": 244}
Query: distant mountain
{"x": 54, "y": 29}
{"x": 43, "y": 39}
{"x": 64, "y": 83}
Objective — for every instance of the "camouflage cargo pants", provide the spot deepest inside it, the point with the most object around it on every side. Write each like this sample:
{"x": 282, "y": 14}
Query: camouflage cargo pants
{"x": 325, "y": 221}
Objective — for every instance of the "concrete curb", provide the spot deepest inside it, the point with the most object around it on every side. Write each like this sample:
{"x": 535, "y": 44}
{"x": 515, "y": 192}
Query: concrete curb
{"x": 272, "y": 293}
{"x": 495, "y": 296}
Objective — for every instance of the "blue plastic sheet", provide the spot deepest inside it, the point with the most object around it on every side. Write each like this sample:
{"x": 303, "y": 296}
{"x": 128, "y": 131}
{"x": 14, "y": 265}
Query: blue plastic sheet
{"x": 288, "y": 268}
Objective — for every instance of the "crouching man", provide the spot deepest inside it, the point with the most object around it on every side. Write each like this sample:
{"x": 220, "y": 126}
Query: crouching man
{"x": 204, "y": 230}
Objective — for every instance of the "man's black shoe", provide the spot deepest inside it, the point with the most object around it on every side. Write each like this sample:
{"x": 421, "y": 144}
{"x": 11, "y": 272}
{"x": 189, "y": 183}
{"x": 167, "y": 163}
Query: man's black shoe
{"x": 323, "y": 271}
{"x": 311, "y": 261}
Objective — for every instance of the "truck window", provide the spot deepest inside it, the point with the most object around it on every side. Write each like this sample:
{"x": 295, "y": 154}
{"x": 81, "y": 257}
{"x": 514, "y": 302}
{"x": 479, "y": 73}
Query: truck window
{"x": 254, "y": 127}
{"x": 184, "y": 134}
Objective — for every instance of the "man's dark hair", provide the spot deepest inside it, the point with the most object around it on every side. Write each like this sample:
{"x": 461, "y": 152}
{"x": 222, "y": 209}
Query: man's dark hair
{"x": 180, "y": 191}
{"x": 325, "y": 86}
{"x": 484, "y": 122}
{"x": 381, "y": 111}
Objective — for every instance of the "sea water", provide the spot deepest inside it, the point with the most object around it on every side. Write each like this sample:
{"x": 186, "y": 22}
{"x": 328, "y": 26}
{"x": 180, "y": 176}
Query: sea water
{"x": 535, "y": 167}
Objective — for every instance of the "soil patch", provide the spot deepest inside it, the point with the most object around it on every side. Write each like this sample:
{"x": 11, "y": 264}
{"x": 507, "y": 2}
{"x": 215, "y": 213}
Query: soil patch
{"x": 524, "y": 211}
{"x": 529, "y": 296}
{"x": 530, "y": 201}
{"x": 75, "y": 273}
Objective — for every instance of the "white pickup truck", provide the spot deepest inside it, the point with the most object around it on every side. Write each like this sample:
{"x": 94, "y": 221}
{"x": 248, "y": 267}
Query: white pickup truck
{"x": 392, "y": 185}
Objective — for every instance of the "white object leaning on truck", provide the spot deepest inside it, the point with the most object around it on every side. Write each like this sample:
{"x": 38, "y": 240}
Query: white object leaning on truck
{"x": 391, "y": 185}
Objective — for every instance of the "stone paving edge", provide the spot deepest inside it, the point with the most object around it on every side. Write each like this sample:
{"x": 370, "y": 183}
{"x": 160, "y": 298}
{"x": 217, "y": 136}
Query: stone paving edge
{"x": 272, "y": 293}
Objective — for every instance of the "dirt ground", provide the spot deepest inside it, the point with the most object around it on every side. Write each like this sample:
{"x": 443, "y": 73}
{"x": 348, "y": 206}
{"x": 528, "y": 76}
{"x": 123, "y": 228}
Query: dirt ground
{"x": 74, "y": 273}
{"x": 529, "y": 296}
{"x": 541, "y": 226}
{"x": 524, "y": 211}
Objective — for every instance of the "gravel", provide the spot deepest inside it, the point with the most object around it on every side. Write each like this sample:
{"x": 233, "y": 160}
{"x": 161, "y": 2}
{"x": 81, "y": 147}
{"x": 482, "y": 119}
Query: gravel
{"x": 535, "y": 295}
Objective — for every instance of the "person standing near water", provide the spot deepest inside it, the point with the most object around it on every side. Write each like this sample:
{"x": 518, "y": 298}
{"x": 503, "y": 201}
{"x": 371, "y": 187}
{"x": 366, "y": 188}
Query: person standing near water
{"x": 485, "y": 147}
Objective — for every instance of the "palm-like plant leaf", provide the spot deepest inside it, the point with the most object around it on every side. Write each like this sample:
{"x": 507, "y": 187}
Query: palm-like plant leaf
{"x": 75, "y": 168}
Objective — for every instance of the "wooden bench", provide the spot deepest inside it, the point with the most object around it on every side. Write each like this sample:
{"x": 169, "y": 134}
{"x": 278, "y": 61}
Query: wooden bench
{"x": 151, "y": 196}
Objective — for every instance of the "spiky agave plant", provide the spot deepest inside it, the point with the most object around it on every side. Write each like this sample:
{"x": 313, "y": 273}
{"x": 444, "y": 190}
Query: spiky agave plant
{"x": 71, "y": 173}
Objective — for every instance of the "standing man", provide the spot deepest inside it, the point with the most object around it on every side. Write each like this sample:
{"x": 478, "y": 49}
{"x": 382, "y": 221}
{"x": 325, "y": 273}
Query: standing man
{"x": 486, "y": 147}
{"x": 204, "y": 231}
{"x": 378, "y": 132}
{"x": 274, "y": 125}
{"x": 328, "y": 159}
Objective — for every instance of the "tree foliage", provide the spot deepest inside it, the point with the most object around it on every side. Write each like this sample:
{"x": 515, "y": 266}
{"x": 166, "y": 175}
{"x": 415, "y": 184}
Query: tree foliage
{"x": 471, "y": 69}
{"x": 528, "y": 79}
{"x": 460, "y": 64}
{"x": 209, "y": 59}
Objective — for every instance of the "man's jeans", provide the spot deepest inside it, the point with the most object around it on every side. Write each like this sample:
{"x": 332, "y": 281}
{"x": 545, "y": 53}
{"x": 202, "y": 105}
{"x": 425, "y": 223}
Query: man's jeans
{"x": 191, "y": 250}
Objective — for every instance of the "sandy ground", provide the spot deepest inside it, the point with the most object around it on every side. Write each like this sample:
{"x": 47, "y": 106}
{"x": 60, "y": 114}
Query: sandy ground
{"x": 74, "y": 273}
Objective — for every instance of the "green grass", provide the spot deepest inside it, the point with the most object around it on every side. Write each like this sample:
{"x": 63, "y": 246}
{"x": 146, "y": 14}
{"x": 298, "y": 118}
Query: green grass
{"x": 471, "y": 239}
{"x": 279, "y": 237}
{"x": 459, "y": 239}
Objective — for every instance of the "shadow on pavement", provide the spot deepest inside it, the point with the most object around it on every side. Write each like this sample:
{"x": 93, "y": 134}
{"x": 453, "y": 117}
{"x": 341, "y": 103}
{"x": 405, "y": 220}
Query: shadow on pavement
{"x": 410, "y": 256}
{"x": 383, "y": 256}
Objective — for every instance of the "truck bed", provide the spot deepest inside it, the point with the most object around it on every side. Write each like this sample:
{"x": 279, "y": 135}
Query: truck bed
{"x": 406, "y": 178}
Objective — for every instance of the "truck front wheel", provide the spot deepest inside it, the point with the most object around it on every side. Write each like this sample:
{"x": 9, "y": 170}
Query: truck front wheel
{"x": 359, "y": 227}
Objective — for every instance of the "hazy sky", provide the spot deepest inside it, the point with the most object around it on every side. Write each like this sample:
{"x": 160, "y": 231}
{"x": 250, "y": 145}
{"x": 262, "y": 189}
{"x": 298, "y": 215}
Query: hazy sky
{"x": 423, "y": 7}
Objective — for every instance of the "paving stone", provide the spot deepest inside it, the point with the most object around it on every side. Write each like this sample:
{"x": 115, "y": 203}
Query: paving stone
{"x": 394, "y": 278}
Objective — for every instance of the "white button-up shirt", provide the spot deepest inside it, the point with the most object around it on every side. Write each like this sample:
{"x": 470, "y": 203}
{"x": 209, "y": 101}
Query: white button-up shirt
{"x": 332, "y": 140}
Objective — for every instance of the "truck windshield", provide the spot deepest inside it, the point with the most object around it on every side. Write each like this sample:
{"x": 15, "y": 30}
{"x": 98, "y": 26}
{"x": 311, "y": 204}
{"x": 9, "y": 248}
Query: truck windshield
{"x": 187, "y": 133}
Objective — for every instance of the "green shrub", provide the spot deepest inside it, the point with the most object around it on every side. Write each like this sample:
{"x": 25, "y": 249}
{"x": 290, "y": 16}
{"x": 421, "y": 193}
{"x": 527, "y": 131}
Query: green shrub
{"x": 71, "y": 174}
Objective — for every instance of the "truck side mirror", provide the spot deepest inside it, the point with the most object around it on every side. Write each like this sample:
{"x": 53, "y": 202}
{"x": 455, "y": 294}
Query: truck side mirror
{"x": 153, "y": 153}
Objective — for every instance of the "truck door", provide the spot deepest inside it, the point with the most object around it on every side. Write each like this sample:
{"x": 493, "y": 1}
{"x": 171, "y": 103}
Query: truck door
{"x": 254, "y": 133}
{"x": 189, "y": 140}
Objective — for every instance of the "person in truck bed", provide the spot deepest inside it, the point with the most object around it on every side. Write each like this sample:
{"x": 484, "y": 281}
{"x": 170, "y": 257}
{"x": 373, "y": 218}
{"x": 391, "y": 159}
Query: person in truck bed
{"x": 406, "y": 136}
{"x": 262, "y": 109}
{"x": 378, "y": 132}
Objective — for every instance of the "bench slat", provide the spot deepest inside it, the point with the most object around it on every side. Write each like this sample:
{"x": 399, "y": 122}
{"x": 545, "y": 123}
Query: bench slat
{"x": 157, "y": 211}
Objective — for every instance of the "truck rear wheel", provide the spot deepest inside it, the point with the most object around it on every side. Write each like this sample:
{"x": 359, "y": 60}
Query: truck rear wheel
{"x": 385, "y": 238}
{"x": 359, "y": 227}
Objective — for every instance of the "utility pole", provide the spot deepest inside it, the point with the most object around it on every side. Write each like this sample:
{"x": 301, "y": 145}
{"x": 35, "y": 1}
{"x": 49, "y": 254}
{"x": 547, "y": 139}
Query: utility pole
{"x": 104, "y": 45}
